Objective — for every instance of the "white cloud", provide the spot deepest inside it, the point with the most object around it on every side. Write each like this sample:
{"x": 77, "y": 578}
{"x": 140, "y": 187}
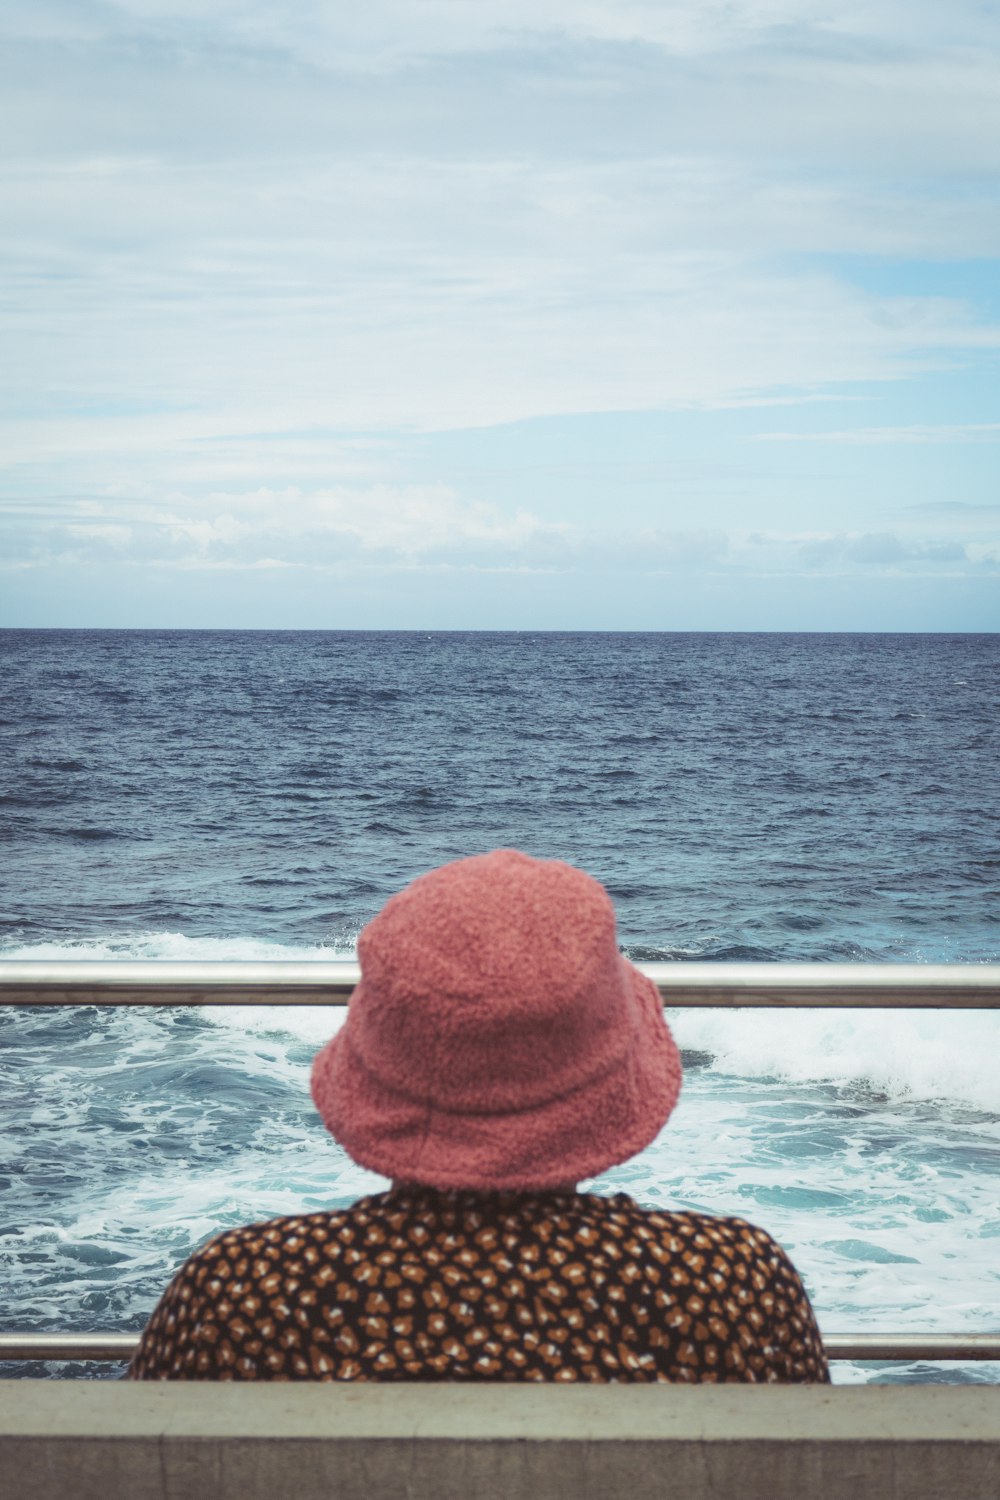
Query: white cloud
{"x": 387, "y": 29}
{"x": 905, "y": 90}
{"x": 985, "y": 554}
{"x": 415, "y": 524}
{"x": 879, "y": 549}
{"x": 382, "y": 529}
{"x": 411, "y": 521}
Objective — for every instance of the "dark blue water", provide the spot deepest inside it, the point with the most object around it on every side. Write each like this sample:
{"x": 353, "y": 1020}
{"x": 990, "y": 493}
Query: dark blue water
{"x": 765, "y": 796}
{"x": 259, "y": 795}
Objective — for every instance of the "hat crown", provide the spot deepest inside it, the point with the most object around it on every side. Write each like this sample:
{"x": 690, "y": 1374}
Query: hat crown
{"x": 490, "y": 984}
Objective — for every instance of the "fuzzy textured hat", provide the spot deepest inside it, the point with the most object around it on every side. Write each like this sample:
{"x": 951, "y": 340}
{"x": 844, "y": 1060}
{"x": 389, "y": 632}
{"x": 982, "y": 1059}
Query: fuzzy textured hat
{"x": 497, "y": 1038}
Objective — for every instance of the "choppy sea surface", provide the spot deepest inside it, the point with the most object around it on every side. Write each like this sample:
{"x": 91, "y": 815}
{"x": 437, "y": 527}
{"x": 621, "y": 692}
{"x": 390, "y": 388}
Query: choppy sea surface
{"x": 259, "y": 795}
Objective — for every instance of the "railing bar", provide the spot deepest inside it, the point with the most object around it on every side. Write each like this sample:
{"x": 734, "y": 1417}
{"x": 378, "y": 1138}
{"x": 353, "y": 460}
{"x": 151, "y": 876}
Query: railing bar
{"x": 893, "y": 1347}
{"x": 682, "y": 985}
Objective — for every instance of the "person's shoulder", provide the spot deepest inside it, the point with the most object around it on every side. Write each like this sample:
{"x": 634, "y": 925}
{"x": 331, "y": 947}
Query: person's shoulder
{"x": 287, "y": 1232}
{"x": 686, "y": 1221}
{"x": 719, "y": 1228}
{"x": 694, "y": 1228}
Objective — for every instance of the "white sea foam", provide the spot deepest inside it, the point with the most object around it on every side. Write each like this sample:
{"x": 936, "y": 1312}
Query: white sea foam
{"x": 903, "y": 1055}
{"x": 921, "y": 1055}
{"x": 166, "y": 946}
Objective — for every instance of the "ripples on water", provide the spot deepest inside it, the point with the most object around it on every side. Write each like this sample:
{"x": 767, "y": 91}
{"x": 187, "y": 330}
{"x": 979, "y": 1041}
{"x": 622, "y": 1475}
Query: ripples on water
{"x": 260, "y": 795}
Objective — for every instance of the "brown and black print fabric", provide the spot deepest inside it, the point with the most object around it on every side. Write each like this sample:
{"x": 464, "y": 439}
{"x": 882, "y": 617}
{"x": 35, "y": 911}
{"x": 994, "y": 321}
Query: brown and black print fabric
{"x": 417, "y": 1284}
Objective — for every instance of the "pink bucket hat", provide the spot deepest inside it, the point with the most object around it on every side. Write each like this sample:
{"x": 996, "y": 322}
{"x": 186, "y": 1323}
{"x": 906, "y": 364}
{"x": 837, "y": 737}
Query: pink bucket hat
{"x": 497, "y": 1038}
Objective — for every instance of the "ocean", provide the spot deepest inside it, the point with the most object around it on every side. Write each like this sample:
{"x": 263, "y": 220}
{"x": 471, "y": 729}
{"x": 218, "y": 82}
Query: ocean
{"x": 252, "y": 794}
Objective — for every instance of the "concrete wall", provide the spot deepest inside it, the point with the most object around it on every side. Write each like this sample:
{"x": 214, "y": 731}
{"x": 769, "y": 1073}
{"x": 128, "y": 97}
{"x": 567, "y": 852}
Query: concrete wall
{"x": 104, "y": 1440}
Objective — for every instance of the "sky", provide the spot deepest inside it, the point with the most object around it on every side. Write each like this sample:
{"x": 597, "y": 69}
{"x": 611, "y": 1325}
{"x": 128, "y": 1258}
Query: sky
{"x": 488, "y": 314}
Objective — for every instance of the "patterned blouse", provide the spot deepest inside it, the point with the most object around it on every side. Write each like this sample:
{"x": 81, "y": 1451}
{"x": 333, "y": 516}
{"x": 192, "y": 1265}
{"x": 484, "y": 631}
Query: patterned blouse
{"x": 417, "y": 1284}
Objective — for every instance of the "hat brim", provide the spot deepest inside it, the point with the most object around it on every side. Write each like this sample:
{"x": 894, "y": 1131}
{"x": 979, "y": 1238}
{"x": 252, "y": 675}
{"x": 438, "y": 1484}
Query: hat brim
{"x": 560, "y": 1141}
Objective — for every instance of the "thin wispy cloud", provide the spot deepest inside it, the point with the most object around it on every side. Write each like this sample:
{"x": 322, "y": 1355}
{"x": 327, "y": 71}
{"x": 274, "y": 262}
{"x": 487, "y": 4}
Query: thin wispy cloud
{"x": 967, "y": 432}
{"x": 384, "y": 528}
{"x": 956, "y": 509}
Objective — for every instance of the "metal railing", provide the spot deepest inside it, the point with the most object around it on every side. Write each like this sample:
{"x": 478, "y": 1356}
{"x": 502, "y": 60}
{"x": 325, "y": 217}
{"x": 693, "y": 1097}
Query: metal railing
{"x": 682, "y": 985}
{"x": 108, "y": 1347}
{"x": 878, "y": 986}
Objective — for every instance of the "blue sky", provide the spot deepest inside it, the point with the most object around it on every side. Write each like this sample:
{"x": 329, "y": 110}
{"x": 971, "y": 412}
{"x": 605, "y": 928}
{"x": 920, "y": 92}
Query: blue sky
{"x": 604, "y": 314}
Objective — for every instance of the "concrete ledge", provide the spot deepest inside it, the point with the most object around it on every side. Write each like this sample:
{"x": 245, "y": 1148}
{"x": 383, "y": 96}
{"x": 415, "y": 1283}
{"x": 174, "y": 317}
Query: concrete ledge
{"x": 104, "y": 1440}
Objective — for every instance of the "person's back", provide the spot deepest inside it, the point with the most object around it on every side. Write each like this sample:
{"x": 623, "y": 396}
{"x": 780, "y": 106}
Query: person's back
{"x": 420, "y": 1284}
{"x": 497, "y": 1050}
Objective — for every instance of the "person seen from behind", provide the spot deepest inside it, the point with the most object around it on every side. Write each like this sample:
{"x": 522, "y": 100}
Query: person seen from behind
{"x": 498, "y": 1050}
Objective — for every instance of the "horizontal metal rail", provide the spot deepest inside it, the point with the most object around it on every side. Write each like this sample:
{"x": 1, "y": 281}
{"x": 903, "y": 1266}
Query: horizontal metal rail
{"x": 38, "y": 982}
{"x": 106, "y": 1347}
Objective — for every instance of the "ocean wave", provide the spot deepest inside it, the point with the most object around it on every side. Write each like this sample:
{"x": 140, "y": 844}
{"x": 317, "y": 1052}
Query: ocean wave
{"x": 926, "y": 1055}
{"x": 174, "y": 946}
